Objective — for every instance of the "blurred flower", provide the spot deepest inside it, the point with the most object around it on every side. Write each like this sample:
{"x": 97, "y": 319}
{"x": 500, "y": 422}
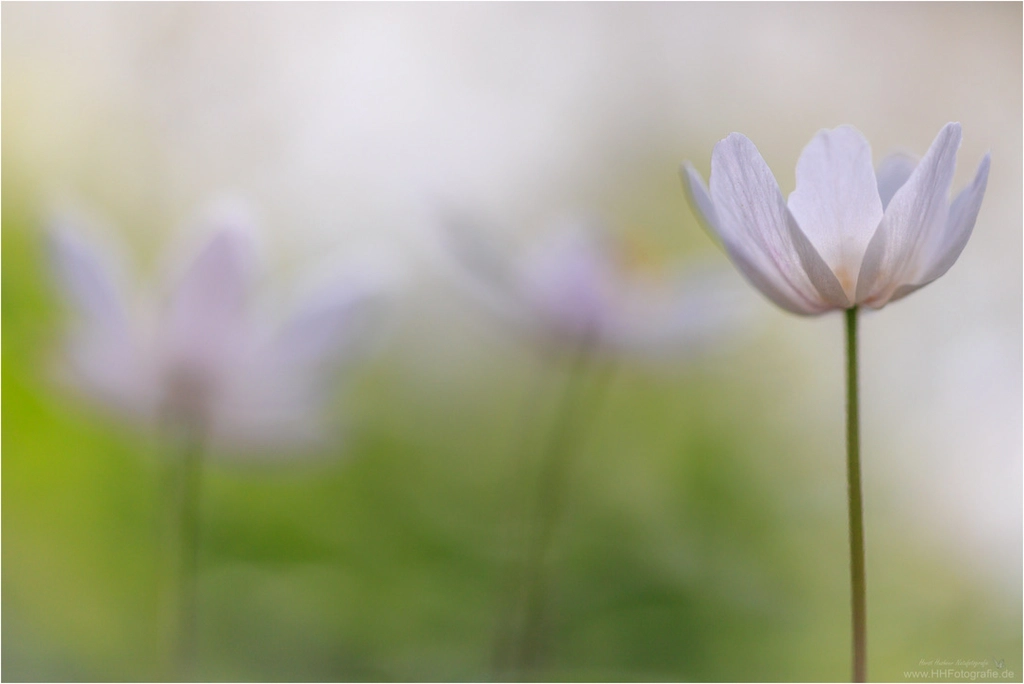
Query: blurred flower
{"x": 581, "y": 286}
{"x": 202, "y": 361}
{"x": 849, "y": 236}
{"x": 580, "y": 291}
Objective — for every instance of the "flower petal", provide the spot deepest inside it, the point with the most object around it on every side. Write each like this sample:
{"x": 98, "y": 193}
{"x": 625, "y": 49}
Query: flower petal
{"x": 892, "y": 173}
{"x": 758, "y": 230}
{"x": 916, "y": 211}
{"x": 822, "y": 277}
{"x": 276, "y": 391}
{"x": 700, "y": 200}
{"x": 836, "y": 202}
{"x": 103, "y": 354}
{"x": 962, "y": 215}
{"x": 328, "y": 326}
{"x": 737, "y": 249}
{"x": 85, "y": 276}
{"x": 950, "y": 243}
{"x": 484, "y": 269}
{"x": 569, "y": 280}
{"x": 207, "y": 320}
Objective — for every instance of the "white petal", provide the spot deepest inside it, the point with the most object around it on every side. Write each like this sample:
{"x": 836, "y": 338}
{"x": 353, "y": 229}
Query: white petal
{"x": 328, "y": 326}
{"x": 951, "y": 242}
{"x": 216, "y": 284}
{"x": 569, "y": 279}
{"x": 276, "y": 394}
{"x": 836, "y": 202}
{"x": 738, "y": 249}
{"x": 103, "y": 352}
{"x": 700, "y": 200}
{"x": 209, "y": 307}
{"x": 917, "y": 211}
{"x": 484, "y": 270}
{"x": 86, "y": 277}
{"x": 818, "y": 272}
{"x": 892, "y": 173}
{"x": 962, "y": 215}
{"x": 758, "y": 230}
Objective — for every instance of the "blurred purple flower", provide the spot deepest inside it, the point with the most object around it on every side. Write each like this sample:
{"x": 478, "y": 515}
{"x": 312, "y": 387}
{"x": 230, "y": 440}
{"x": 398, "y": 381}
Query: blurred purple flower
{"x": 849, "y": 236}
{"x": 580, "y": 286}
{"x": 203, "y": 361}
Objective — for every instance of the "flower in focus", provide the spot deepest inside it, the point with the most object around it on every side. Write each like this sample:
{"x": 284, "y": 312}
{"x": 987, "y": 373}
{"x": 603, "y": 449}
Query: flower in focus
{"x": 579, "y": 287}
{"x": 203, "y": 361}
{"x": 849, "y": 235}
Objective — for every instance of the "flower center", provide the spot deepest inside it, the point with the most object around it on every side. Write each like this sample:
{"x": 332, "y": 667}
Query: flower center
{"x": 847, "y": 281}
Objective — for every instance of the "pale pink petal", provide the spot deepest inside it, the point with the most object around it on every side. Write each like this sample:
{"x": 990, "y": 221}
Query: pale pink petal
{"x": 948, "y": 245}
{"x": 752, "y": 213}
{"x": 208, "y": 314}
{"x": 751, "y": 266}
{"x": 917, "y": 211}
{"x": 962, "y": 215}
{"x": 333, "y": 323}
{"x": 485, "y": 271}
{"x": 569, "y": 280}
{"x": 818, "y": 272}
{"x": 892, "y": 173}
{"x": 86, "y": 277}
{"x": 836, "y": 202}
{"x": 103, "y": 353}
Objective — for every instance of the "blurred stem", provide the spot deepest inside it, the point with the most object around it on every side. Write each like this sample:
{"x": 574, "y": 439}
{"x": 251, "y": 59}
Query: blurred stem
{"x": 857, "y": 583}
{"x": 551, "y": 493}
{"x": 512, "y": 525}
{"x": 184, "y": 513}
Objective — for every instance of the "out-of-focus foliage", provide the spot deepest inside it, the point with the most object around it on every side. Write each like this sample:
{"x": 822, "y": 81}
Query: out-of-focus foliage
{"x": 697, "y": 545}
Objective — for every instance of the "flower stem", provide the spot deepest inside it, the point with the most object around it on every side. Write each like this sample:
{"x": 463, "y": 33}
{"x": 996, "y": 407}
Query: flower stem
{"x": 857, "y": 583}
{"x": 513, "y": 533}
{"x": 183, "y": 549}
{"x": 190, "y": 556}
{"x": 551, "y": 495}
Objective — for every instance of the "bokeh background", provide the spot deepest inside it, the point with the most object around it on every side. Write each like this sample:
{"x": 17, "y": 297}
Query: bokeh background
{"x": 705, "y": 535}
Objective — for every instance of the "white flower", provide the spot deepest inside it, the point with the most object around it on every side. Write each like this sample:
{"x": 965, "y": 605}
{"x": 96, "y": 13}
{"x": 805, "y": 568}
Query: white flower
{"x": 848, "y": 236}
{"x": 576, "y": 287}
{"x": 202, "y": 360}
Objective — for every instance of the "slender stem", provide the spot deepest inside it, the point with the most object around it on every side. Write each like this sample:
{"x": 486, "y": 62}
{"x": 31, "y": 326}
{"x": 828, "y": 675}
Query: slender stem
{"x": 513, "y": 531}
{"x": 192, "y": 479}
{"x": 182, "y": 549}
{"x": 550, "y": 504}
{"x": 857, "y": 583}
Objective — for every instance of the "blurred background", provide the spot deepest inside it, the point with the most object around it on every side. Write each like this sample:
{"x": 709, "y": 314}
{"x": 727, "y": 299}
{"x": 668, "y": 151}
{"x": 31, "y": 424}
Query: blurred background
{"x": 705, "y": 529}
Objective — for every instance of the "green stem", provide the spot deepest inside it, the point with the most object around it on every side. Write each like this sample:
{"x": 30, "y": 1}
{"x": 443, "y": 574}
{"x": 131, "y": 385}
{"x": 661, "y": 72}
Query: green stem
{"x": 550, "y": 504}
{"x": 513, "y": 532}
{"x": 190, "y": 557}
{"x": 183, "y": 550}
{"x": 857, "y": 583}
